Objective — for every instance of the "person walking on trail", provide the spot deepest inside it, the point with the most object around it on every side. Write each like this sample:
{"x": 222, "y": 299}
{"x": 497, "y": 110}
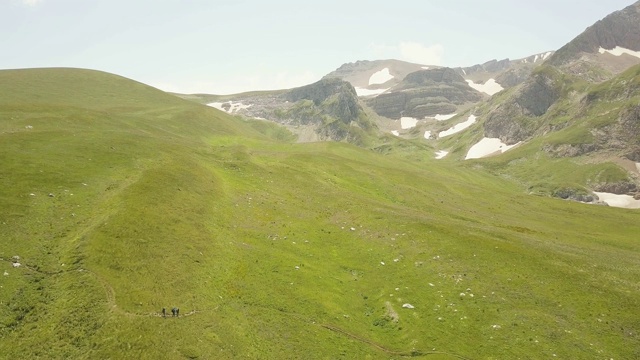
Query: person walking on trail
{"x": 164, "y": 312}
{"x": 177, "y": 311}
{"x": 173, "y": 311}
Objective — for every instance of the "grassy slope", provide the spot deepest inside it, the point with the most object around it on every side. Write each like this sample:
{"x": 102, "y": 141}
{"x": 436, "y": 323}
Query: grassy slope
{"x": 184, "y": 206}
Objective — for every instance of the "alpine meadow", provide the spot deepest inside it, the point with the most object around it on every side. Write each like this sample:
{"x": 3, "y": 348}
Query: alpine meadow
{"x": 311, "y": 223}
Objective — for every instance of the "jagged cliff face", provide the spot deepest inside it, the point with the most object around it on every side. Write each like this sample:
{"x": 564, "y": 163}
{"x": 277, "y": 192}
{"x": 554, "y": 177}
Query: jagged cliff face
{"x": 333, "y": 97}
{"x": 395, "y": 89}
{"x": 426, "y": 93}
{"x": 619, "y": 29}
{"x": 507, "y": 73}
{"x": 326, "y": 110}
{"x": 522, "y": 114}
{"x": 508, "y": 120}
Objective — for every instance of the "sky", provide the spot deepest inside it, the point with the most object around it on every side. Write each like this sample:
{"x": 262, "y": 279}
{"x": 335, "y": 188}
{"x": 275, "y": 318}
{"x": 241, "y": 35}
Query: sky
{"x": 230, "y": 46}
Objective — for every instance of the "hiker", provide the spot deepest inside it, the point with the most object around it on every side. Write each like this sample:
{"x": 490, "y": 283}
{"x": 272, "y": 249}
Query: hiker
{"x": 173, "y": 311}
{"x": 177, "y": 311}
{"x": 164, "y": 312}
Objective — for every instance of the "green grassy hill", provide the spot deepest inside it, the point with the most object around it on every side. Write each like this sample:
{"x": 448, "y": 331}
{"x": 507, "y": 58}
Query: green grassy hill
{"x": 120, "y": 200}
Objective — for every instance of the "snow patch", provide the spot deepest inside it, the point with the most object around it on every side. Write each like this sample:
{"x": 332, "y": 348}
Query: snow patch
{"x": 458, "y": 127}
{"x": 489, "y": 87}
{"x": 546, "y": 55}
{"x": 380, "y": 77}
{"x": 408, "y": 122}
{"x": 618, "y": 51}
{"x": 367, "y": 92}
{"x": 427, "y": 135}
{"x": 396, "y": 132}
{"x": 486, "y": 147}
{"x": 233, "y": 107}
{"x": 620, "y": 201}
{"x": 464, "y": 72}
{"x": 439, "y": 117}
{"x": 440, "y": 155}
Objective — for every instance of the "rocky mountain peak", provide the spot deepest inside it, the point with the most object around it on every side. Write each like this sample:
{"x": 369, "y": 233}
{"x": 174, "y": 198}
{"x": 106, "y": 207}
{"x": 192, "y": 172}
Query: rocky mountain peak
{"x": 320, "y": 91}
{"x": 620, "y": 28}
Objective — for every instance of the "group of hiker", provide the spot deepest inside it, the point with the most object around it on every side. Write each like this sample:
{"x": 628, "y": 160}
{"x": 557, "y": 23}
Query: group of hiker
{"x": 174, "y": 311}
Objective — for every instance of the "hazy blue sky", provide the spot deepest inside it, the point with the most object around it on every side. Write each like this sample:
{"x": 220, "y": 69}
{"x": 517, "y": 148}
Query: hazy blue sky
{"x": 225, "y": 46}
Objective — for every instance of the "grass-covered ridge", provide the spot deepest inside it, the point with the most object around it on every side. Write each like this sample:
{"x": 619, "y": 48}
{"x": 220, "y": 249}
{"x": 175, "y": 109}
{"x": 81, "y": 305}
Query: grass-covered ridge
{"x": 281, "y": 250}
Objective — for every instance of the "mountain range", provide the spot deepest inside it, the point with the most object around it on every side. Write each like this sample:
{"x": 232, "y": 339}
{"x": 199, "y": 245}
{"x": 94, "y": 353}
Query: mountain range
{"x": 389, "y": 210}
{"x": 551, "y": 103}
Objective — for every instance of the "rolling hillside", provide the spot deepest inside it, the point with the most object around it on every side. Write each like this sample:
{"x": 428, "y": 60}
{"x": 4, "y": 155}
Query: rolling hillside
{"x": 118, "y": 200}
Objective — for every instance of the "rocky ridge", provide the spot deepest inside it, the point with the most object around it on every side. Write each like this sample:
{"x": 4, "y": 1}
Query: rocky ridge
{"x": 326, "y": 110}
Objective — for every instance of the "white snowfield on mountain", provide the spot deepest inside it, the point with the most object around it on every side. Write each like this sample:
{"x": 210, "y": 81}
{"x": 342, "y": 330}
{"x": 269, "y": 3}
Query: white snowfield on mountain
{"x": 441, "y": 154}
{"x": 380, "y": 77}
{"x": 440, "y": 117}
{"x": 486, "y": 147}
{"x": 233, "y": 106}
{"x": 542, "y": 57}
{"x": 458, "y": 127}
{"x": 408, "y": 122}
{"x": 619, "y": 51}
{"x": 621, "y": 201}
{"x": 489, "y": 87}
{"x": 361, "y": 92}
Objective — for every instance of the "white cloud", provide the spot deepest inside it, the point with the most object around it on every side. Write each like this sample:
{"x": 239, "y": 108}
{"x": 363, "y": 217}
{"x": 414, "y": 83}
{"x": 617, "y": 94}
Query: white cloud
{"x": 410, "y": 51}
{"x": 421, "y": 54}
{"x": 31, "y": 3}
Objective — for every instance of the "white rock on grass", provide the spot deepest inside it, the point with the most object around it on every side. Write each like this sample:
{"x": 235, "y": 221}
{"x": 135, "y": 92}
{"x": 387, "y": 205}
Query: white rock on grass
{"x": 16, "y": 264}
{"x": 6, "y": 273}
{"x": 408, "y": 306}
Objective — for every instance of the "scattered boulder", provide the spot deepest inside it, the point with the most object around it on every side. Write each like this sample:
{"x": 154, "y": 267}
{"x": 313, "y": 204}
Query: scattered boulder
{"x": 408, "y": 306}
